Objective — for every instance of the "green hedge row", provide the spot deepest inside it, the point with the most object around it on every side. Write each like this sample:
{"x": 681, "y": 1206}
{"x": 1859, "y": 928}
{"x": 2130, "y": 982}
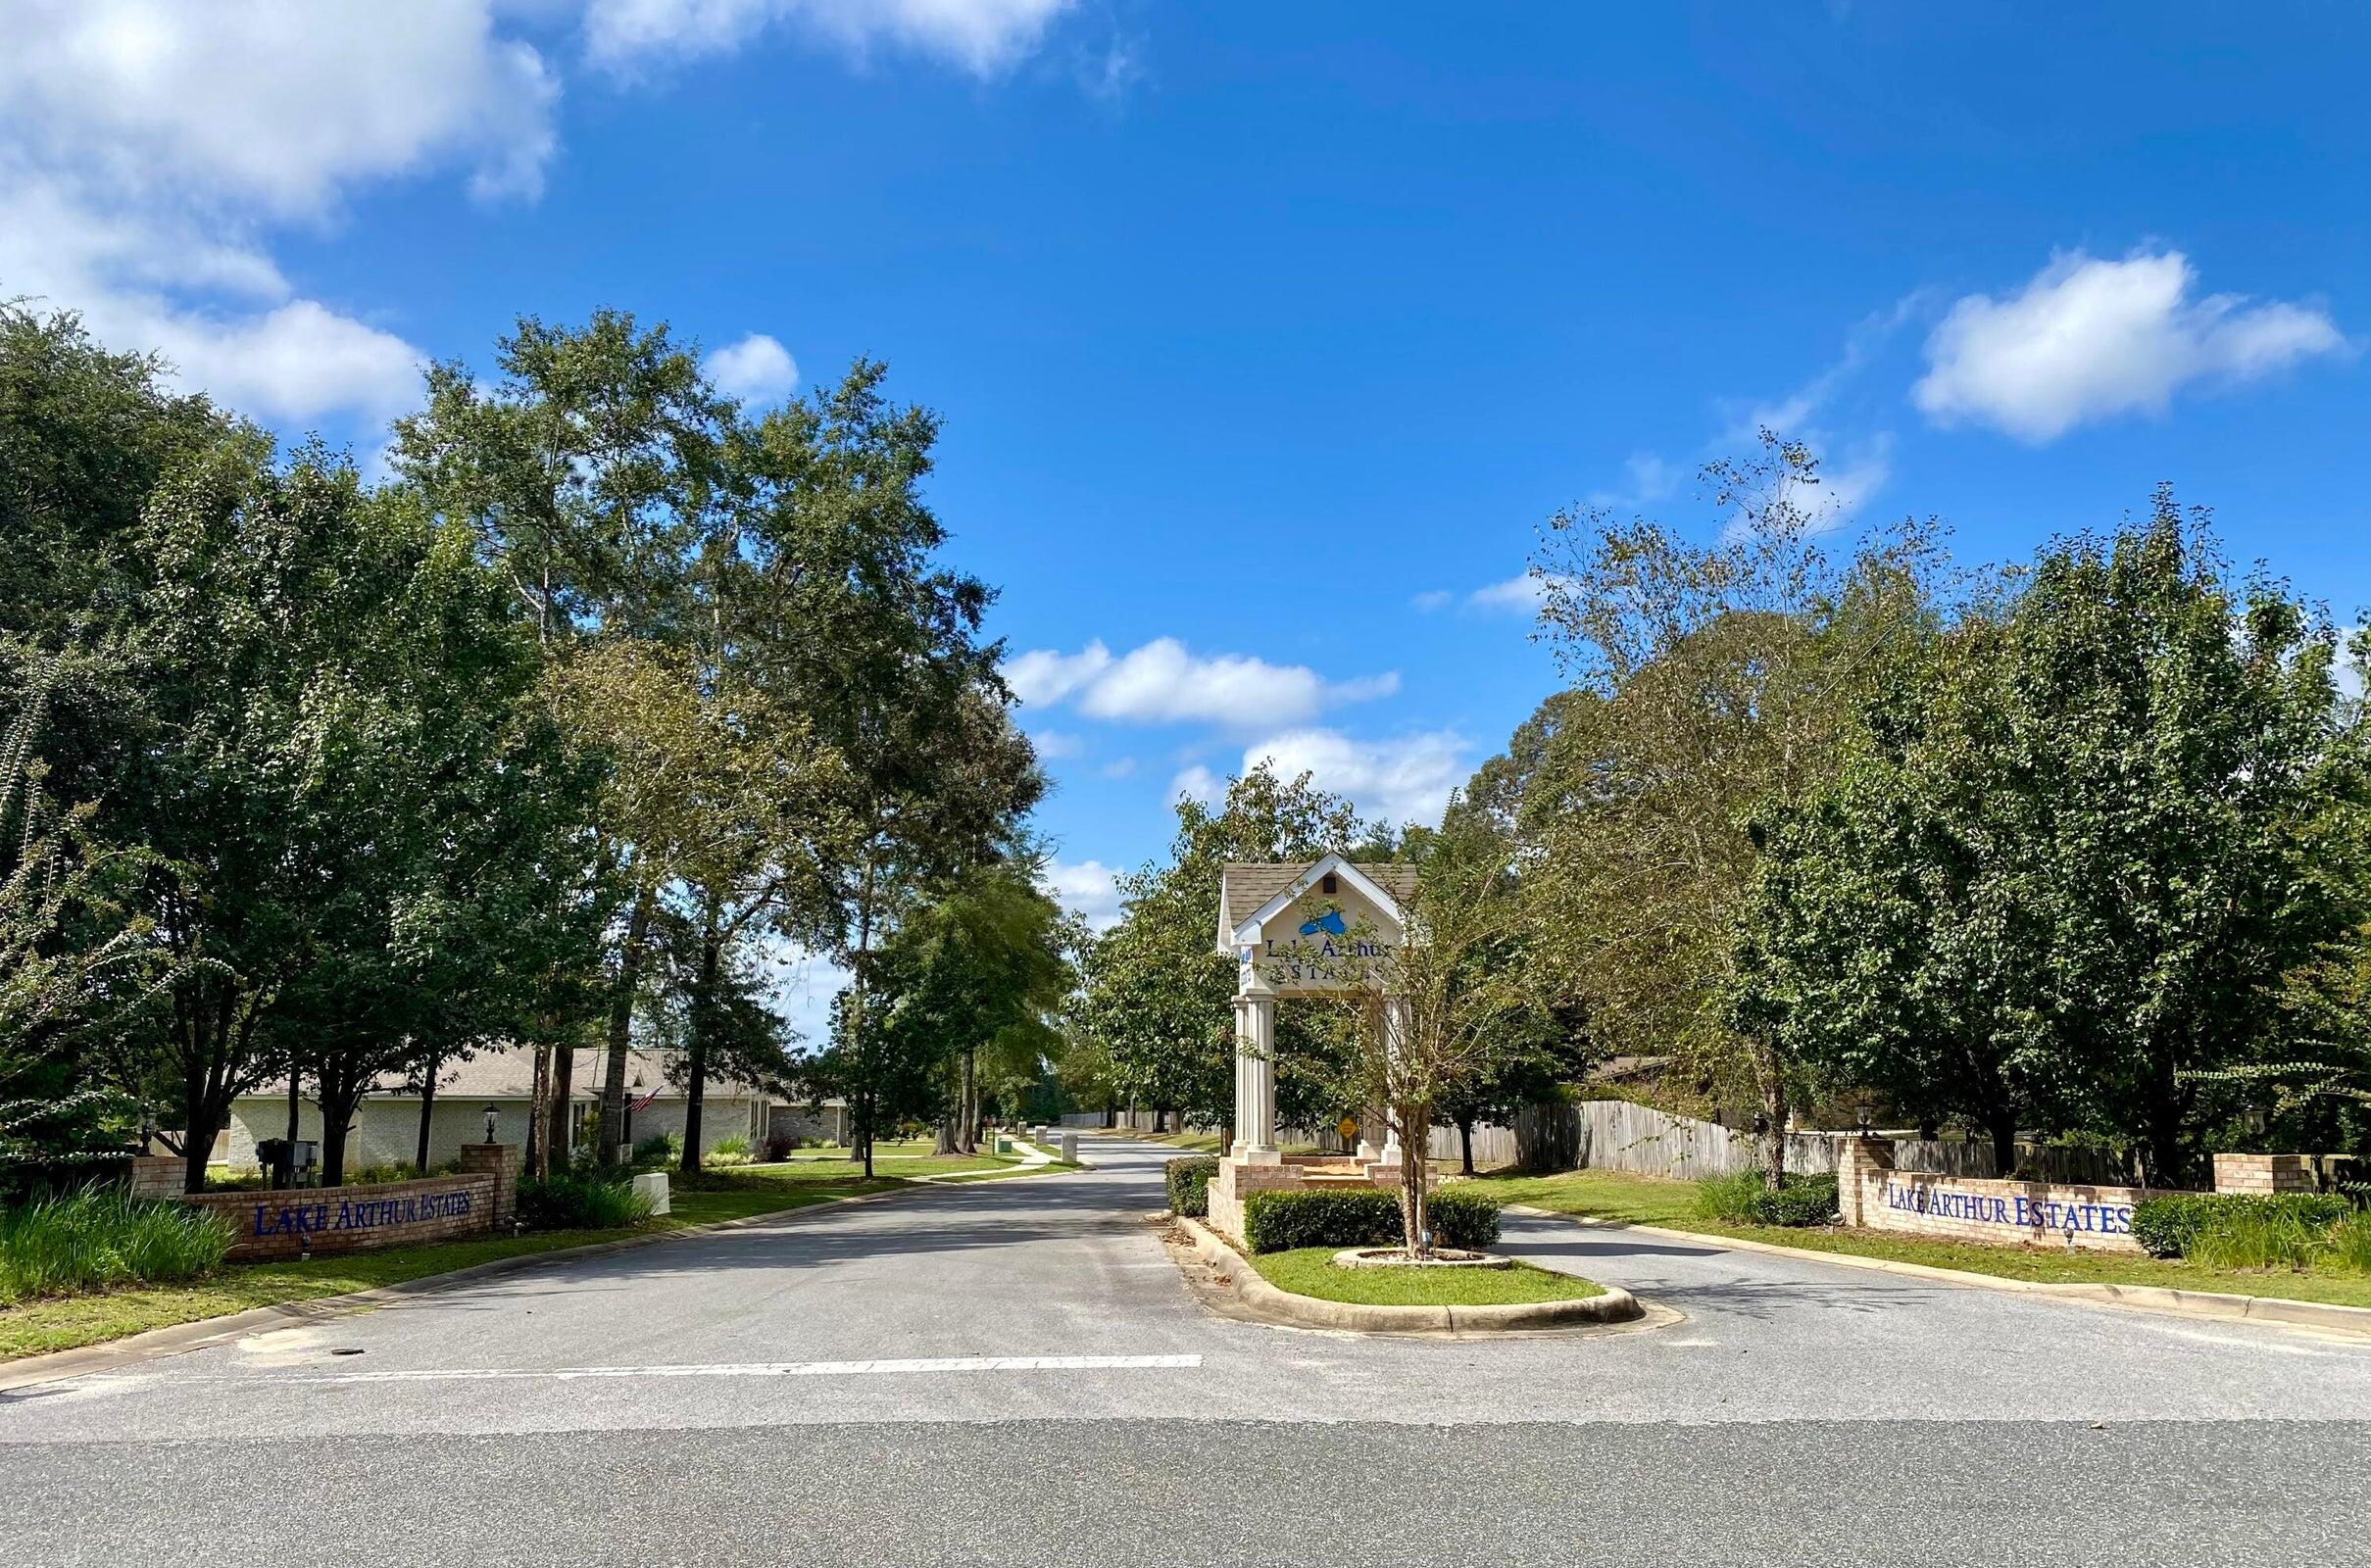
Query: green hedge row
{"x": 1189, "y": 1180}
{"x": 2172, "y": 1224}
{"x": 1279, "y": 1222}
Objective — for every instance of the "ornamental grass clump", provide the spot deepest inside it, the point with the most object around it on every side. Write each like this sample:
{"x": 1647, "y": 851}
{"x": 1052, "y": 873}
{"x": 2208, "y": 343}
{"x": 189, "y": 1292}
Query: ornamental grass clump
{"x": 101, "y": 1238}
{"x": 2349, "y": 1243}
{"x": 2233, "y": 1224}
{"x": 1744, "y": 1198}
{"x": 581, "y": 1201}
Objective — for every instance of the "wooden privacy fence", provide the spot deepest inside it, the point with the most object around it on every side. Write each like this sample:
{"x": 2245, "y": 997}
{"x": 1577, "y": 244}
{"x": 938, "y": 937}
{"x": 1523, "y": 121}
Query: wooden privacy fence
{"x": 1617, "y": 1135}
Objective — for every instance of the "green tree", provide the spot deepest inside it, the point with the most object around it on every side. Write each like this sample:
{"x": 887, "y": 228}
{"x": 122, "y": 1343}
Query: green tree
{"x": 589, "y": 472}
{"x": 1723, "y": 676}
{"x": 2075, "y": 863}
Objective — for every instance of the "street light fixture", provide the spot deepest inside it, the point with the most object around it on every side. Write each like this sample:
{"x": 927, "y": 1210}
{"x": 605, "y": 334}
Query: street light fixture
{"x": 493, "y": 1115}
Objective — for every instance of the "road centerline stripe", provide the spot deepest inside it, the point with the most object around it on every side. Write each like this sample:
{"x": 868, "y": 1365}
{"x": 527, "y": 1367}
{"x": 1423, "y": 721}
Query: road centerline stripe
{"x": 909, "y": 1366}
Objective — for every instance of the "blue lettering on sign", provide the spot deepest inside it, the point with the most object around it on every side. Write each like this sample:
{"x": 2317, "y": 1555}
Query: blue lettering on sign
{"x": 2019, "y": 1212}
{"x": 359, "y": 1214}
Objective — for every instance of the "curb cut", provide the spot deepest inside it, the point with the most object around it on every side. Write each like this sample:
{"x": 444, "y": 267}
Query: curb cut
{"x": 176, "y": 1338}
{"x": 1615, "y": 1305}
{"x": 2162, "y": 1299}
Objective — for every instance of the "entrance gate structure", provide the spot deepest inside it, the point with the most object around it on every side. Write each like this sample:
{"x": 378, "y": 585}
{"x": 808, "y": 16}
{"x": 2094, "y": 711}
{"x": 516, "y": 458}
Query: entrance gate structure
{"x": 1294, "y": 929}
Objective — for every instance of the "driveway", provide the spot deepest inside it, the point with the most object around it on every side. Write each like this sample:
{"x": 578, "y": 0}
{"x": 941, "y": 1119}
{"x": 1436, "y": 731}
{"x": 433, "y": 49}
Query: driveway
{"x": 1015, "y": 1372}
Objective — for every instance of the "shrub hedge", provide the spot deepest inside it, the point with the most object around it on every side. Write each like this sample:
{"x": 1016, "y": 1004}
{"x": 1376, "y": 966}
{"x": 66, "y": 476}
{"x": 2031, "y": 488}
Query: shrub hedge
{"x": 2172, "y": 1224}
{"x": 1741, "y": 1198}
{"x": 1279, "y": 1222}
{"x": 1189, "y": 1180}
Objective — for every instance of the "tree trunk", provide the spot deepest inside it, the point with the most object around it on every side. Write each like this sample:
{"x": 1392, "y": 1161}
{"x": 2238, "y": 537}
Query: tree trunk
{"x": 1771, "y": 1082}
{"x": 540, "y": 1078}
{"x": 1414, "y": 1170}
{"x": 621, "y": 1025}
{"x": 1160, "y": 1119}
{"x": 704, "y": 1028}
{"x": 2003, "y": 1126}
{"x": 337, "y": 1103}
{"x": 1465, "y": 1145}
{"x": 560, "y": 1097}
{"x": 968, "y": 1100}
{"x": 427, "y": 1107}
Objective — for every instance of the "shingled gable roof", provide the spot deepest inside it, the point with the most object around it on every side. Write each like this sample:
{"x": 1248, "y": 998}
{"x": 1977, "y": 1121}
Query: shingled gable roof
{"x": 1246, "y": 887}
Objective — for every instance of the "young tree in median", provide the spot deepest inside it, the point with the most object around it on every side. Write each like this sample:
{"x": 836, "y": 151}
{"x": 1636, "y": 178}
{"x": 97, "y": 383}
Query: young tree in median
{"x": 1439, "y": 1012}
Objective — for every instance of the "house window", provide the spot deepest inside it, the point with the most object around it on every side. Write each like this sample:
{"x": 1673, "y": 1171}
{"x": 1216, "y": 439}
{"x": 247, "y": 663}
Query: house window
{"x": 1328, "y": 884}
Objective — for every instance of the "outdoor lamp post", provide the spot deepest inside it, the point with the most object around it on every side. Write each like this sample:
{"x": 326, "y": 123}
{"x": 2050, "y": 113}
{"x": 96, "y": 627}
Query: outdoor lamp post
{"x": 493, "y": 1115}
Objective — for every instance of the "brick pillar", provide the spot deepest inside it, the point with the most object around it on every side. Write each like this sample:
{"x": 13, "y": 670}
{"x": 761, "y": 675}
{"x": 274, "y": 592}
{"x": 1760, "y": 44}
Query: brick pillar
{"x": 500, "y": 1161}
{"x": 2264, "y": 1174}
{"x": 1858, "y": 1162}
{"x": 158, "y": 1176}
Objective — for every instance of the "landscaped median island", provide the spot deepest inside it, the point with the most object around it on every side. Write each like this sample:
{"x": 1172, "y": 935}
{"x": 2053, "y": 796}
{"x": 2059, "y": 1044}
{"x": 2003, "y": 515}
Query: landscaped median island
{"x": 1311, "y": 1271}
{"x": 123, "y": 1282}
{"x": 1336, "y": 1259}
{"x": 1624, "y": 1197}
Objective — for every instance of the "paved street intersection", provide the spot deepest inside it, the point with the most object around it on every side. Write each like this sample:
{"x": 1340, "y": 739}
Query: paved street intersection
{"x": 1017, "y": 1372}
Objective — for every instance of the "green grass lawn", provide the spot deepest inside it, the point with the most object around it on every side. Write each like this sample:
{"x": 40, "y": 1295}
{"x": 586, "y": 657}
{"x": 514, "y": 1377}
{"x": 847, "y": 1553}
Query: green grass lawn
{"x": 1310, "y": 1271}
{"x": 65, "y": 1323}
{"x": 1648, "y": 1200}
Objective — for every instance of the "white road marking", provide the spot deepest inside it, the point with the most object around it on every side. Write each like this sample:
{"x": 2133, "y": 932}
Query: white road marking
{"x": 919, "y": 1365}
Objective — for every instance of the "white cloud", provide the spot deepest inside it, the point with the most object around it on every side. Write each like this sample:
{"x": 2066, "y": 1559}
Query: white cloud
{"x": 1433, "y": 599}
{"x": 1408, "y": 778}
{"x": 1519, "y": 593}
{"x": 1087, "y": 888}
{"x": 1647, "y": 478}
{"x": 1118, "y": 767}
{"x": 1052, "y": 744}
{"x": 2089, "y": 339}
{"x": 1042, "y": 676}
{"x": 756, "y": 369}
{"x": 1163, "y": 682}
{"x": 142, "y": 144}
{"x": 273, "y": 102}
{"x": 1198, "y": 783}
{"x": 149, "y": 147}
{"x": 981, "y": 36}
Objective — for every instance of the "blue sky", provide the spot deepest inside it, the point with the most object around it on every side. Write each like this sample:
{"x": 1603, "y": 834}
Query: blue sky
{"x": 1266, "y": 336}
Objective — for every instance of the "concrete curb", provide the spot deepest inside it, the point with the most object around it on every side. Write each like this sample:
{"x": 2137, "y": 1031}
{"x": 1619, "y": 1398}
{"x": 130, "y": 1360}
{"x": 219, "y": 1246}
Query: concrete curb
{"x": 1307, "y": 1311}
{"x": 2324, "y": 1315}
{"x": 180, "y": 1337}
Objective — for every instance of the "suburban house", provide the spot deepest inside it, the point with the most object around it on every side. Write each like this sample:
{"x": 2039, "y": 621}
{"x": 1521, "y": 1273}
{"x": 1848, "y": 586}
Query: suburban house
{"x": 386, "y": 1126}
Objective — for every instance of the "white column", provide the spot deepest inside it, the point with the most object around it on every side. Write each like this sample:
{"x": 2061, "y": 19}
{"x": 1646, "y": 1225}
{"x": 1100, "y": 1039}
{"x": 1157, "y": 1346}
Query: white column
{"x": 1256, "y": 1081}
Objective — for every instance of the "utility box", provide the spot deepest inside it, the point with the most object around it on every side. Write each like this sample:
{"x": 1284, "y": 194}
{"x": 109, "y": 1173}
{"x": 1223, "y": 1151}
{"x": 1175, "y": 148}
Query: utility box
{"x": 1069, "y": 1149}
{"x": 652, "y": 1184}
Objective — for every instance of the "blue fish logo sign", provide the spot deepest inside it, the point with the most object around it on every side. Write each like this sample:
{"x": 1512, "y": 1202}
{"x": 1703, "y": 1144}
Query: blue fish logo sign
{"x": 1329, "y": 922}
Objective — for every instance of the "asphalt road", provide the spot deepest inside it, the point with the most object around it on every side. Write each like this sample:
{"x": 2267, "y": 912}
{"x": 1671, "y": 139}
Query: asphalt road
{"x": 1017, "y": 1372}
